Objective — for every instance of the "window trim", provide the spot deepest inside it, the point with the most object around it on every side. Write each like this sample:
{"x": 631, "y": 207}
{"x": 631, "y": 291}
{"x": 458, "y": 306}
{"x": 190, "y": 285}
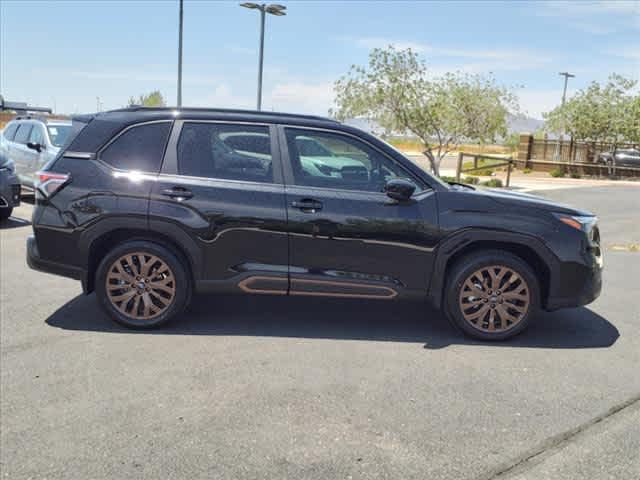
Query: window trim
{"x": 288, "y": 168}
{"x": 98, "y": 155}
{"x": 21, "y": 124}
{"x": 170, "y": 164}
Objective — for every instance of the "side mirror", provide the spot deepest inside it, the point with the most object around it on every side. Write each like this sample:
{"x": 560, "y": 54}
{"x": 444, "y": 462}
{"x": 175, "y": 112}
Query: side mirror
{"x": 399, "y": 189}
{"x": 35, "y": 146}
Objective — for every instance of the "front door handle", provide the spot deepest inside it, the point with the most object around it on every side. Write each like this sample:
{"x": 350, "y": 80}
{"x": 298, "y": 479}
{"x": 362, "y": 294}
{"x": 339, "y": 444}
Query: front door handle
{"x": 307, "y": 205}
{"x": 179, "y": 193}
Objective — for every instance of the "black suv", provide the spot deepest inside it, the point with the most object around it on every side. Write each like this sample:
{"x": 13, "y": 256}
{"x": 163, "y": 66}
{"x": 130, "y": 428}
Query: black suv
{"x": 146, "y": 206}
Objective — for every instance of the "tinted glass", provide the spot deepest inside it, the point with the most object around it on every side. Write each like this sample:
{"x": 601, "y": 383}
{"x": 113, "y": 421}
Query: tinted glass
{"x": 139, "y": 148}
{"x": 332, "y": 160}
{"x": 10, "y": 131}
{"x": 37, "y": 135}
{"x": 58, "y": 134}
{"x": 22, "y": 135}
{"x": 236, "y": 152}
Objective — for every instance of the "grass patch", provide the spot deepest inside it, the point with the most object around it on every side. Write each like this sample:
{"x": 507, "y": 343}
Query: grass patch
{"x": 493, "y": 183}
{"x": 526, "y": 171}
{"x": 557, "y": 173}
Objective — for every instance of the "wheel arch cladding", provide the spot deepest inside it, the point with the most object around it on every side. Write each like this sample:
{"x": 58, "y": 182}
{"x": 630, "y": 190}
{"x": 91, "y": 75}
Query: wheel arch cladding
{"x": 101, "y": 245}
{"x": 530, "y": 250}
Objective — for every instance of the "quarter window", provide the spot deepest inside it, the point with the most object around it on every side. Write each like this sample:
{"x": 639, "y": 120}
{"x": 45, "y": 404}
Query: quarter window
{"x": 332, "y": 160}
{"x": 139, "y": 148}
{"x": 22, "y": 135}
{"x": 235, "y": 152}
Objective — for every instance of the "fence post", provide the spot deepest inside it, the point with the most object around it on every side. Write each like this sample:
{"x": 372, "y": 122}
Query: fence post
{"x": 509, "y": 172}
{"x": 459, "y": 166}
{"x": 524, "y": 148}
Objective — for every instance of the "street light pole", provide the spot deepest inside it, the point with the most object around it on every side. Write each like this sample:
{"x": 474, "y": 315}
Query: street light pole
{"x": 179, "y": 102}
{"x": 261, "y": 57}
{"x": 273, "y": 9}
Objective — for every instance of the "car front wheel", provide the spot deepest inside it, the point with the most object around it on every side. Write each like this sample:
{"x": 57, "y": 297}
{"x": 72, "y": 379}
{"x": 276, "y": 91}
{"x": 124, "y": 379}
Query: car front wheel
{"x": 492, "y": 295}
{"x": 141, "y": 284}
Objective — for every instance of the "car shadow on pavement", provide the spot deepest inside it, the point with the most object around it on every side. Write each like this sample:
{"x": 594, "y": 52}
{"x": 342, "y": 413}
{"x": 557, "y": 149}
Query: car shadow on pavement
{"x": 341, "y": 320}
{"x": 14, "y": 222}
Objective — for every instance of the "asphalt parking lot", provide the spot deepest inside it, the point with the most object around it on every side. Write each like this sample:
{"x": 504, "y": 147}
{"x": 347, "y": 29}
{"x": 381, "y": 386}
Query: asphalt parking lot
{"x": 260, "y": 387}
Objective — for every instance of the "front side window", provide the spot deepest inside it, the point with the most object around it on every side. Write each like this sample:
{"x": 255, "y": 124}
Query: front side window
{"x": 225, "y": 151}
{"x": 23, "y": 133}
{"x": 139, "y": 148}
{"x": 333, "y": 160}
{"x": 36, "y": 135}
{"x": 10, "y": 131}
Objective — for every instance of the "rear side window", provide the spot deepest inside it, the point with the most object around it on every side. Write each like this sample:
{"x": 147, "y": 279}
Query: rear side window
{"x": 138, "y": 148}
{"x": 235, "y": 152}
{"x": 10, "y": 131}
{"x": 22, "y": 135}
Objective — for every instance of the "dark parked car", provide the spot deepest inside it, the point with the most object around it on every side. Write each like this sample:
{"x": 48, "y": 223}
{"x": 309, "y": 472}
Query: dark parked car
{"x": 9, "y": 187}
{"x": 623, "y": 157}
{"x": 147, "y": 206}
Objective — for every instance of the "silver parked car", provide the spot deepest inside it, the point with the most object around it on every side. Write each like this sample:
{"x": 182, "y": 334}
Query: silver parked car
{"x": 30, "y": 142}
{"x": 623, "y": 157}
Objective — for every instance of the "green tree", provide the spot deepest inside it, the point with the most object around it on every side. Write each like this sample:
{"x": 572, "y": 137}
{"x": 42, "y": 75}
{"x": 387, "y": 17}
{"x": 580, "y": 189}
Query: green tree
{"x": 602, "y": 113}
{"x": 153, "y": 99}
{"x": 395, "y": 90}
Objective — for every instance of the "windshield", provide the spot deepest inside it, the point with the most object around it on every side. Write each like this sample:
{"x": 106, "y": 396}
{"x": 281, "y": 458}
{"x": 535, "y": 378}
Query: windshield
{"x": 436, "y": 179}
{"x": 58, "y": 134}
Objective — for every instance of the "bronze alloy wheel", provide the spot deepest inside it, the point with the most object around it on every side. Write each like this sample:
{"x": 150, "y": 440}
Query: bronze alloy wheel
{"x": 140, "y": 285}
{"x": 494, "y": 299}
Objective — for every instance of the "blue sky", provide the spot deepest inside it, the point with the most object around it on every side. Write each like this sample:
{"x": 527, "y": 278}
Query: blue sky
{"x": 65, "y": 54}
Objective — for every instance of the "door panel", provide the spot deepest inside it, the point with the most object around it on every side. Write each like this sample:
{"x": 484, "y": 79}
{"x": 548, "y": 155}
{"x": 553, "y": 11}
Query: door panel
{"x": 347, "y": 238}
{"x": 360, "y": 244}
{"x": 237, "y": 228}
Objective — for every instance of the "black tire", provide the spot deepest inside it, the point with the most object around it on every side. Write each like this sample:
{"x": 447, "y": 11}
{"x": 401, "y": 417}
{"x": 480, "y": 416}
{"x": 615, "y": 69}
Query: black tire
{"x": 5, "y": 213}
{"x": 528, "y": 284}
{"x": 181, "y": 284}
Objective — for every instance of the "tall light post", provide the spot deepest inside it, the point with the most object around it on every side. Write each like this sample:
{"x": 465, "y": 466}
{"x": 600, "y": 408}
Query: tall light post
{"x": 179, "y": 102}
{"x": 273, "y": 9}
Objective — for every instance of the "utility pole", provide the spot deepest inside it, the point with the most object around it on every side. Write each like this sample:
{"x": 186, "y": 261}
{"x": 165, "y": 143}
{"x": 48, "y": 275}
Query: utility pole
{"x": 566, "y": 76}
{"x": 179, "y": 102}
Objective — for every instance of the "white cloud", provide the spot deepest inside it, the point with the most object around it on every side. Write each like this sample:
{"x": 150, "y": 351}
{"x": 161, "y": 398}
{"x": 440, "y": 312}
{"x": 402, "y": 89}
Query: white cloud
{"x": 595, "y": 17}
{"x": 300, "y": 97}
{"x": 484, "y": 60}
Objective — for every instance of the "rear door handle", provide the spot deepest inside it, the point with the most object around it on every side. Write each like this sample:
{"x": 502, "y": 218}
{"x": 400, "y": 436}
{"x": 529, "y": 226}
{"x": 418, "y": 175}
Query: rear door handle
{"x": 179, "y": 193}
{"x": 307, "y": 205}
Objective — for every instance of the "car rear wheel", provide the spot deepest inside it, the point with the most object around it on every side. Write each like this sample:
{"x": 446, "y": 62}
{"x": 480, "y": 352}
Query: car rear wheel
{"x": 141, "y": 284}
{"x": 492, "y": 295}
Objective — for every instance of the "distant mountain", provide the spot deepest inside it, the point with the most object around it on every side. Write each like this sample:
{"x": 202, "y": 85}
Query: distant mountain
{"x": 522, "y": 124}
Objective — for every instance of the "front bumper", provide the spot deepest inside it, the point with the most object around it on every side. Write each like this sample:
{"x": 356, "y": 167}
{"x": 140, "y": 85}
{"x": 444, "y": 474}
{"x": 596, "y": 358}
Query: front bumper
{"x": 589, "y": 286}
{"x": 9, "y": 189}
{"x": 37, "y": 263}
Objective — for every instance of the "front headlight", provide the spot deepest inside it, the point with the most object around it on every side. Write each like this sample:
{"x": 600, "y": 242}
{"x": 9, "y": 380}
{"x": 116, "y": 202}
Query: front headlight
{"x": 584, "y": 223}
{"x": 588, "y": 225}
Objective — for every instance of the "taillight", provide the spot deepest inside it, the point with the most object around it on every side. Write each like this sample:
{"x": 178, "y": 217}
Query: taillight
{"x": 49, "y": 183}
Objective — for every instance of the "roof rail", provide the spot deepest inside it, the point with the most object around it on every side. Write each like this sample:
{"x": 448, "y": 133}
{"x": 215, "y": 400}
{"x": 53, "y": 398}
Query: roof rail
{"x": 139, "y": 108}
